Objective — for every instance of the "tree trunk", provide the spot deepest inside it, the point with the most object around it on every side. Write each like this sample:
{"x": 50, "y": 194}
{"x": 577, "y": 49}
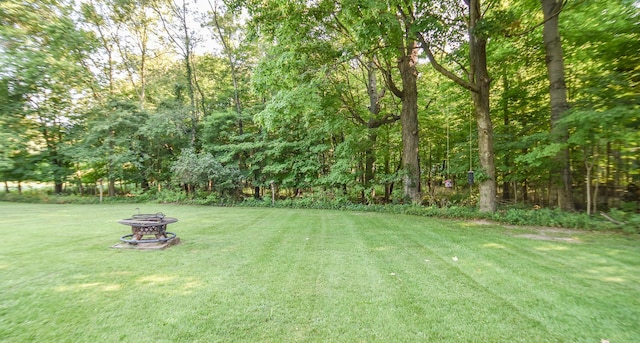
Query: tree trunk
{"x": 112, "y": 187}
{"x": 409, "y": 120}
{"x": 558, "y": 100}
{"x": 588, "y": 184}
{"x": 58, "y": 187}
{"x": 480, "y": 78}
{"x": 374, "y": 109}
{"x": 80, "y": 187}
{"x": 370, "y": 159}
{"x": 506, "y": 190}
{"x": 234, "y": 74}
{"x": 388, "y": 186}
{"x": 478, "y": 84}
{"x": 187, "y": 56}
{"x": 595, "y": 191}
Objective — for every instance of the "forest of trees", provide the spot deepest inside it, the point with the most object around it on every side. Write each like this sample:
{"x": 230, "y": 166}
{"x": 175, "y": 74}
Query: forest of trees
{"x": 475, "y": 102}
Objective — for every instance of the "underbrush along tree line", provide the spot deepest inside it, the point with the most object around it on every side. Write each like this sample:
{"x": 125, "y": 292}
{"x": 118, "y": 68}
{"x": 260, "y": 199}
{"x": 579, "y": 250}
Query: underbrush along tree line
{"x": 614, "y": 220}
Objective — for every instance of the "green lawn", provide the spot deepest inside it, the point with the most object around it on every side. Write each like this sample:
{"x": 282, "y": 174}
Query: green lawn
{"x": 278, "y": 275}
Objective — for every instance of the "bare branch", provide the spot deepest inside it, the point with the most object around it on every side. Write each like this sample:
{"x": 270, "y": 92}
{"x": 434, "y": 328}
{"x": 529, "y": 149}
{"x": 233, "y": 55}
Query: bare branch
{"x": 442, "y": 70}
{"x": 531, "y": 29}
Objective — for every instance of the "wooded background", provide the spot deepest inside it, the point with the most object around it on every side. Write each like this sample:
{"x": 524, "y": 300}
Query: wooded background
{"x": 372, "y": 101}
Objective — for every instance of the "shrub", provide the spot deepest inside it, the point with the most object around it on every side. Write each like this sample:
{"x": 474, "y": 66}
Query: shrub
{"x": 628, "y": 222}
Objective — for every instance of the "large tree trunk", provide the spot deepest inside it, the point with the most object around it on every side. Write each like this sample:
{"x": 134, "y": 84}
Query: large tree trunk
{"x": 409, "y": 120}
{"x": 480, "y": 78}
{"x": 506, "y": 189}
{"x": 112, "y": 187}
{"x": 185, "y": 43}
{"x": 370, "y": 159}
{"x": 374, "y": 109}
{"x": 478, "y": 84}
{"x": 588, "y": 167}
{"x": 232, "y": 64}
{"x": 561, "y": 170}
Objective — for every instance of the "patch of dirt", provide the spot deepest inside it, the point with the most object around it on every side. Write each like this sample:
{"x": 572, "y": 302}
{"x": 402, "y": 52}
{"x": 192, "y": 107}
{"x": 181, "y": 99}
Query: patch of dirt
{"x": 546, "y": 229}
{"x": 543, "y": 237}
{"x": 483, "y": 222}
{"x": 553, "y": 234}
{"x": 540, "y": 233}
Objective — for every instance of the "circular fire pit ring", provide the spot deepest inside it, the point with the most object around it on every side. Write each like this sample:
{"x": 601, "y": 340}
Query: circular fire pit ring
{"x": 129, "y": 238}
{"x": 148, "y": 224}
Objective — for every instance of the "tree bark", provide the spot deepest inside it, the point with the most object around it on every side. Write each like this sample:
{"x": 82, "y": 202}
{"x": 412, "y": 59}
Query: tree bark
{"x": 374, "y": 109}
{"x": 227, "y": 49}
{"x": 479, "y": 77}
{"x": 506, "y": 189}
{"x": 181, "y": 37}
{"x": 478, "y": 83}
{"x": 370, "y": 159}
{"x": 409, "y": 120}
{"x": 588, "y": 168}
{"x": 561, "y": 170}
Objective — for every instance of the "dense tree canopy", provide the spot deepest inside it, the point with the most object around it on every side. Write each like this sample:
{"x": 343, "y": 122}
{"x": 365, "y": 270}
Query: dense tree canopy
{"x": 432, "y": 102}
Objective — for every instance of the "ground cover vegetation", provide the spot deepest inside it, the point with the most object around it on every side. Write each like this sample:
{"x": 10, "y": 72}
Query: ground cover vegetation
{"x": 613, "y": 221}
{"x": 373, "y": 102}
{"x": 298, "y": 275}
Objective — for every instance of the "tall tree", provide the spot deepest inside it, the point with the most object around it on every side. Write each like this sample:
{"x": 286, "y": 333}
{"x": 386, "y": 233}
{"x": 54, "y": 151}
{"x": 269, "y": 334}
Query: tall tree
{"x": 112, "y": 143}
{"x": 561, "y": 172}
{"x": 44, "y": 61}
{"x": 386, "y": 32}
{"x": 478, "y": 82}
{"x": 225, "y": 35}
{"x": 135, "y": 18}
{"x": 407, "y": 65}
{"x": 175, "y": 18}
{"x": 376, "y": 114}
{"x": 603, "y": 93}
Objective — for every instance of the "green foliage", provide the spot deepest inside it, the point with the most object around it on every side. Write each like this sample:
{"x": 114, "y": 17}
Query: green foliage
{"x": 627, "y": 221}
{"x": 525, "y": 217}
{"x": 113, "y": 139}
{"x": 302, "y": 117}
{"x": 552, "y": 218}
{"x": 537, "y": 217}
{"x": 204, "y": 171}
{"x": 43, "y": 77}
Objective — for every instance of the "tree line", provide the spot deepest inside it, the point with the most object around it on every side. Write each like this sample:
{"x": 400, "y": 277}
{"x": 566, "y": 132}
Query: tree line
{"x": 435, "y": 102}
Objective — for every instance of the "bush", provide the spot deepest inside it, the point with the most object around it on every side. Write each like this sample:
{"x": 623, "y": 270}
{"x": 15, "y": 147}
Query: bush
{"x": 629, "y": 222}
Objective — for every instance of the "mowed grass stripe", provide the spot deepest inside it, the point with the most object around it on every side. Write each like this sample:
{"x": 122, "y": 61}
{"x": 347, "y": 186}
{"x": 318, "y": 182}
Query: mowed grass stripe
{"x": 322, "y": 274}
{"x": 459, "y": 308}
{"x": 266, "y": 275}
{"x": 550, "y": 292}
